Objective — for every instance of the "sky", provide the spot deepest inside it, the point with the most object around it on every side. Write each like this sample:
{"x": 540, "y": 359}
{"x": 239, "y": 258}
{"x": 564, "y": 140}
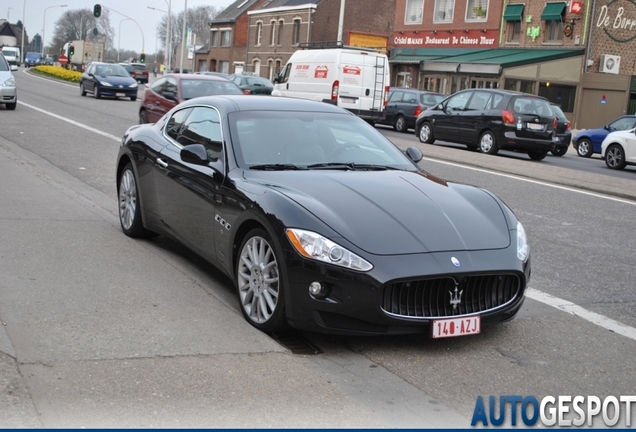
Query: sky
{"x": 36, "y": 20}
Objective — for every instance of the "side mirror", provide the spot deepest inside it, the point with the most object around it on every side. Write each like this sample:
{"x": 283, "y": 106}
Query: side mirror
{"x": 170, "y": 95}
{"x": 414, "y": 154}
{"x": 194, "y": 154}
{"x": 277, "y": 79}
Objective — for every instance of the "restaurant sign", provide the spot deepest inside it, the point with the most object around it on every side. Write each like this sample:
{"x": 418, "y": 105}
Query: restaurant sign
{"x": 618, "y": 20}
{"x": 447, "y": 39}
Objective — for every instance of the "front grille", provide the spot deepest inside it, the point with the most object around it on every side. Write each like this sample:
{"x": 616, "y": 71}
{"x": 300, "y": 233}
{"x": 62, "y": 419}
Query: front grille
{"x": 448, "y": 297}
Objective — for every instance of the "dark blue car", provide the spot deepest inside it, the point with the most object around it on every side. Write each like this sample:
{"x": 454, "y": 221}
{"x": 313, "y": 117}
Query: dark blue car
{"x": 108, "y": 79}
{"x": 588, "y": 142}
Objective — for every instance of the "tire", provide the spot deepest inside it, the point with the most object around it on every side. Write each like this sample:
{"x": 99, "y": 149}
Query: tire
{"x": 584, "y": 148}
{"x": 96, "y": 92}
{"x": 143, "y": 117}
{"x": 559, "y": 151}
{"x": 260, "y": 283}
{"x": 537, "y": 155}
{"x": 615, "y": 157}
{"x": 129, "y": 205}
{"x": 488, "y": 144}
{"x": 133, "y": 98}
{"x": 400, "y": 124}
{"x": 82, "y": 90}
{"x": 11, "y": 106}
{"x": 425, "y": 133}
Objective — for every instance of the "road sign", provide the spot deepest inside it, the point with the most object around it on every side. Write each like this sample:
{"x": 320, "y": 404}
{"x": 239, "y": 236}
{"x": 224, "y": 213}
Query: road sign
{"x": 62, "y": 59}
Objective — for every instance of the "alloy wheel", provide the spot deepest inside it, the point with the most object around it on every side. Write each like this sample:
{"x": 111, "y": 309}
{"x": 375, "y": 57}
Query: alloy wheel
{"x": 127, "y": 199}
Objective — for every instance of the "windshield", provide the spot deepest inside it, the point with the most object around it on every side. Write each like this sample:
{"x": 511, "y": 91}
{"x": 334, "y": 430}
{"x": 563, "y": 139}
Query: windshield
{"x": 4, "y": 66}
{"x": 292, "y": 140}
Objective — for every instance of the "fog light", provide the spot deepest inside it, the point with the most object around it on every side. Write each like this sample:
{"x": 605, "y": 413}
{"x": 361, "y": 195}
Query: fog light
{"x": 315, "y": 288}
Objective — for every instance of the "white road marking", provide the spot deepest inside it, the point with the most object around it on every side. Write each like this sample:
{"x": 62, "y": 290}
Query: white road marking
{"x": 573, "y": 309}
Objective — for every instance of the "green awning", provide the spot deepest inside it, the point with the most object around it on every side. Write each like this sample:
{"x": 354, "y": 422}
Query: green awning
{"x": 513, "y": 12}
{"x": 553, "y": 11}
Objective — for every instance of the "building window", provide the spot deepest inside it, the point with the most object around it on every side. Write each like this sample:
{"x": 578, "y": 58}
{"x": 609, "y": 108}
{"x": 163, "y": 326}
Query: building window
{"x": 270, "y": 70}
{"x": 214, "y": 38}
{"x": 278, "y": 66}
{"x": 513, "y": 31}
{"x": 226, "y": 38}
{"x": 272, "y": 33}
{"x": 554, "y": 31}
{"x": 444, "y": 11}
{"x": 519, "y": 85}
{"x": 279, "y": 34}
{"x": 296, "y": 31}
{"x": 477, "y": 10}
{"x": 414, "y": 12}
{"x": 259, "y": 33}
{"x": 224, "y": 67}
{"x": 256, "y": 64}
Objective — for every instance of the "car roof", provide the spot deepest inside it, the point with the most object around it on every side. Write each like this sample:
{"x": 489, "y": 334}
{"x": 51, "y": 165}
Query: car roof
{"x": 250, "y": 103}
{"x": 185, "y": 76}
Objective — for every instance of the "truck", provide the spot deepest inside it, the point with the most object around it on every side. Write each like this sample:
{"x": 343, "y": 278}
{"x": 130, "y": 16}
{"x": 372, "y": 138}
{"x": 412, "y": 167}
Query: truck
{"x": 352, "y": 78}
{"x": 83, "y": 53}
{"x": 12, "y": 55}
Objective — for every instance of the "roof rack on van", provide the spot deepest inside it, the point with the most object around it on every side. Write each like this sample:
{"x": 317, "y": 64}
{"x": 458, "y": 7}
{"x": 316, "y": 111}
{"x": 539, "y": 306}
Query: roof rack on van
{"x": 334, "y": 44}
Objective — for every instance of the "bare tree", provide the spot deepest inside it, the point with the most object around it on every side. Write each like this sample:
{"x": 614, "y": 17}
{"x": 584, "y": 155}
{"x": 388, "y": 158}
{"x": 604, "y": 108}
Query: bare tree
{"x": 198, "y": 19}
{"x": 79, "y": 24}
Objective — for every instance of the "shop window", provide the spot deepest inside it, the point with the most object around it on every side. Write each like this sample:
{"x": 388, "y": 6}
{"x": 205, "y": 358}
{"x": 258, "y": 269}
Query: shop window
{"x": 562, "y": 95}
{"x": 414, "y": 11}
{"x": 444, "y": 11}
{"x": 476, "y": 10}
{"x": 519, "y": 85}
{"x": 554, "y": 31}
{"x": 259, "y": 33}
{"x": 296, "y": 31}
{"x": 513, "y": 30}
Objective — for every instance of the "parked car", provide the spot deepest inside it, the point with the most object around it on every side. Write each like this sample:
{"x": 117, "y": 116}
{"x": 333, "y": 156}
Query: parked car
{"x": 588, "y": 141}
{"x": 107, "y": 79}
{"x": 219, "y": 74}
{"x": 251, "y": 84}
{"x": 130, "y": 69}
{"x": 32, "y": 59}
{"x": 405, "y": 105}
{"x": 8, "y": 89}
{"x": 170, "y": 90}
{"x": 281, "y": 195}
{"x": 618, "y": 149}
{"x": 141, "y": 72}
{"x": 491, "y": 119}
{"x": 563, "y": 132}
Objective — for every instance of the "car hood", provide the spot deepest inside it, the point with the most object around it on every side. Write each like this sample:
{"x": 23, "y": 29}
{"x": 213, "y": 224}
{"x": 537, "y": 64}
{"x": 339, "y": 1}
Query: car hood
{"x": 395, "y": 212}
{"x": 117, "y": 80}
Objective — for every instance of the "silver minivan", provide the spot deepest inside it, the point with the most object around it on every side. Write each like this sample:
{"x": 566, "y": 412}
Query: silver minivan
{"x": 8, "y": 90}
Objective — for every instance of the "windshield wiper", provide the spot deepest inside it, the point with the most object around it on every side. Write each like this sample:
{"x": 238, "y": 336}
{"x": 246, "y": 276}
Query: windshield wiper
{"x": 351, "y": 166}
{"x": 277, "y": 167}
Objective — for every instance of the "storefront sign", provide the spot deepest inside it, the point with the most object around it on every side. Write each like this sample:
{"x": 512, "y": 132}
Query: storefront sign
{"x": 445, "y": 39}
{"x": 365, "y": 40}
{"x": 618, "y": 22}
{"x": 576, "y": 6}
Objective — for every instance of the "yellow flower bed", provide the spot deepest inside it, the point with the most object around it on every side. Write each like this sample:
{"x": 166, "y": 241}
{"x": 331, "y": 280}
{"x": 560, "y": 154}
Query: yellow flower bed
{"x": 60, "y": 72}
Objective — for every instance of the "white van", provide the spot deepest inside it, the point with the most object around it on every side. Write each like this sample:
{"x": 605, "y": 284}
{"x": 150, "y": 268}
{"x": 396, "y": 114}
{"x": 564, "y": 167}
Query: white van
{"x": 12, "y": 55}
{"x": 352, "y": 78}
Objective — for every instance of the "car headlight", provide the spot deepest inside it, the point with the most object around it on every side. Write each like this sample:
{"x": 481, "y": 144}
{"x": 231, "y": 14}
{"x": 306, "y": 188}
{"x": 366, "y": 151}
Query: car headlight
{"x": 105, "y": 84}
{"x": 314, "y": 246}
{"x": 133, "y": 85}
{"x": 9, "y": 83}
{"x": 523, "y": 248}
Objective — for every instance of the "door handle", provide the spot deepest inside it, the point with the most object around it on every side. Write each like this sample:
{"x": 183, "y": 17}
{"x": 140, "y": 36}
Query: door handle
{"x": 162, "y": 163}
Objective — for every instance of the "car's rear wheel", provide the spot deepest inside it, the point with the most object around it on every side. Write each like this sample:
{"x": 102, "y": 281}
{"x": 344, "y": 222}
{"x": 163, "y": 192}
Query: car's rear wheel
{"x": 584, "y": 148}
{"x": 82, "y": 90}
{"x": 425, "y": 133}
{"x": 487, "y": 143}
{"x": 129, "y": 208}
{"x": 559, "y": 151}
{"x": 260, "y": 283}
{"x": 400, "y": 124}
{"x": 537, "y": 155}
{"x": 615, "y": 157}
{"x": 143, "y": 116}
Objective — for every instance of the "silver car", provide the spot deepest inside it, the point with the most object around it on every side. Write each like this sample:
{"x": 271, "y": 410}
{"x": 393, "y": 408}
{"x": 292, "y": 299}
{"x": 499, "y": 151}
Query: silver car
{"x": 8, "y": 90}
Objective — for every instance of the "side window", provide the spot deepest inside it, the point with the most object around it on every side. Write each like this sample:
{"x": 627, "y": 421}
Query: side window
{"x": 171, "y": 86}
{"x": 497, "y": 101}
{"x": 409, "y": 97}
{"x": 479, "y": 101}
{"x": 157, "y": 86}
{"x": 176, "y": 123}
{"x": 622, "y": 124}
{"x": 285, "y": 73}
{"x": 203, "y": 126}
{"x": 396, "y": 96}
{"x": 458, "y": 102}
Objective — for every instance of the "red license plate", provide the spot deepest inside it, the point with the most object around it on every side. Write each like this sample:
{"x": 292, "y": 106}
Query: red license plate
{"x": 453, "y": 327}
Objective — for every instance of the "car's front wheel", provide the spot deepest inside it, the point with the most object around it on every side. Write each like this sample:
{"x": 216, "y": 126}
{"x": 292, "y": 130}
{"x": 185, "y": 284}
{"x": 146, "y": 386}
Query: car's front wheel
{"x": 400, "y": 124}
{"x": 143, "y": 116}
{"x": 584, "y": 148}
{"x": 96, "y": 92}
{"x": 425, "y": 133}
{"x": 487, "y": 143}
{"x": 615, "y": 157}
{"x": 82, "y": 89}
{"x": 129, "y": 209}
{"x": 259, "y": 282}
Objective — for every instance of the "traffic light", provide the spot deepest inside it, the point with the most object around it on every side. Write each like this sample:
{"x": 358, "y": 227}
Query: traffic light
{"x": 97, "y": 10}
{"x": 142, "y": 58}
{"x": 71, "y": 50}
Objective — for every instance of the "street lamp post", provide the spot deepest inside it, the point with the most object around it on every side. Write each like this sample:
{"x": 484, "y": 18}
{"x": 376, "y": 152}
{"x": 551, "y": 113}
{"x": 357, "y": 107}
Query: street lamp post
{"x": 44, "y": 24}
{"x": 183, "y": 35}
{"x": 22, "y": 38}
{"x": 168, "y": 38}
{"x": 119, "y": 37}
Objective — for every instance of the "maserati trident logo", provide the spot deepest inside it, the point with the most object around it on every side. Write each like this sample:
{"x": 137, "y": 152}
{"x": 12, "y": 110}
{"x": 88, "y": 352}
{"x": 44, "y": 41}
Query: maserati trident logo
{"x": 456, "y": 298}
{"x": 455, "y": 261}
